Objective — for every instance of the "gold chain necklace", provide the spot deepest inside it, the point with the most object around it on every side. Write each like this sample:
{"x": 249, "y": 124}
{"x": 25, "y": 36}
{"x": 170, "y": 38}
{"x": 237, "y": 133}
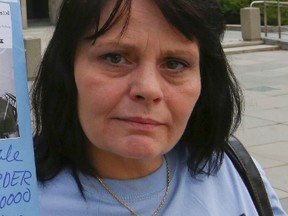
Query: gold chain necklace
{"x": 126, "y": 206}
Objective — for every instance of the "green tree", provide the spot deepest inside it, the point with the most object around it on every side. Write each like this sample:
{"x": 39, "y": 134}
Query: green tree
{"x": 272, "y": 14}
{"x": 231, "y": 9}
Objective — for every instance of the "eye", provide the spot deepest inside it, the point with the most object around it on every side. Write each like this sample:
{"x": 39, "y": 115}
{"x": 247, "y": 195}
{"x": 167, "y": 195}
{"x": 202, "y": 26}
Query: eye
{"x": 114, "y": 58}
{"x": 175, "y": 65}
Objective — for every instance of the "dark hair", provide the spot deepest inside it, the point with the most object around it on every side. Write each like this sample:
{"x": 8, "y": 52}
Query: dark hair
{"x": 59, "y": 140}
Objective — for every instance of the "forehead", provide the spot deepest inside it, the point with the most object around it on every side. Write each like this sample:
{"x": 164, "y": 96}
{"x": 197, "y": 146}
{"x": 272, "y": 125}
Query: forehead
{"x": 145, "y": 21}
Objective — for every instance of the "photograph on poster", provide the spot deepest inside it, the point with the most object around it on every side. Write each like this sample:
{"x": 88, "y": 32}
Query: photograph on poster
{"x": 8, "y": 109}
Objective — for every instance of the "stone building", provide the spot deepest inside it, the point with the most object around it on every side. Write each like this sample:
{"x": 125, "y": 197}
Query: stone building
{"x": 39, "y": 9}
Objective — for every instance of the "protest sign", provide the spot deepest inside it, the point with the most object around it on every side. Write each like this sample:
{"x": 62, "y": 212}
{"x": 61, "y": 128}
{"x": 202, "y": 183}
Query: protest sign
{"x": 18, "y": 185}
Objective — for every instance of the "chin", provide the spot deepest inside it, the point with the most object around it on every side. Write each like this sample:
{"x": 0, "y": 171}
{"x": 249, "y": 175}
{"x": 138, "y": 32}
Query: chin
{"x": 141, "y": 151}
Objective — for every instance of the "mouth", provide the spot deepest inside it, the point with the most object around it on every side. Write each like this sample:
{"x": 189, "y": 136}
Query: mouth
{"x": 140, "y": 122}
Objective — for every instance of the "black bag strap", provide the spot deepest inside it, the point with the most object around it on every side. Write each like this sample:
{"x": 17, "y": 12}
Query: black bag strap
{"x": 250, "y": 175}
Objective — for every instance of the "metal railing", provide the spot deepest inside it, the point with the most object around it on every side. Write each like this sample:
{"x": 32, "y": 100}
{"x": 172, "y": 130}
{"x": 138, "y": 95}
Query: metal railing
{"x": 277, "y": 3}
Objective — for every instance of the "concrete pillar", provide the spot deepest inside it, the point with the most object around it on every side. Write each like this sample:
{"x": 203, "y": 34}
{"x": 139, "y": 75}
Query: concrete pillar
{"x": 54, "y": 6}
{"x": 33, "y": 56}
{"x": 24, "y": 14}
{"x": 250, "y": 23}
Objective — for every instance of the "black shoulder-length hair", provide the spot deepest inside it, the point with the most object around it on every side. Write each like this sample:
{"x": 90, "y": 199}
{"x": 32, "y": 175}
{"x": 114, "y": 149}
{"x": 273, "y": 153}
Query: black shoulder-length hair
{"x": 59, "y": 139}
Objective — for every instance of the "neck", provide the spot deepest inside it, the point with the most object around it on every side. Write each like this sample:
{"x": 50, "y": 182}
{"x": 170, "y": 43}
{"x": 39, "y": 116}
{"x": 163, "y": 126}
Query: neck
{"x": 112, "y": 166}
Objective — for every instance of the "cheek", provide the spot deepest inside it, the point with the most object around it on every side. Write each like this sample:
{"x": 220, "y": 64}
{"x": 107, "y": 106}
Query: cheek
{"x": 88, "y": 97}
{"x": 98, "y": 98}
{"x": 85, "y": 112}
{"x": 184, "y": 104}
{"x": 93, "y": 108}
{"x": 188, "y": 95}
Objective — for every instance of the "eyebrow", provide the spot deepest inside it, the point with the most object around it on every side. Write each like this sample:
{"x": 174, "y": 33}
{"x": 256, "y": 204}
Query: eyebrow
{"x": 113, "y": 43}
{"x": 181, "y": 52}
{"x": 132, "y": 47}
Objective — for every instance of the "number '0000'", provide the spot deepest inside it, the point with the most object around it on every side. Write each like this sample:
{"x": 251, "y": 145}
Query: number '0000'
{"x": 15, "y": 198}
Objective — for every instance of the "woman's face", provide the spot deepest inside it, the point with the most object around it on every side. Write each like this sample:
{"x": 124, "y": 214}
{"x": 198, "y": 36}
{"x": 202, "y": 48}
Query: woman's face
{"x": 136, "y": 92}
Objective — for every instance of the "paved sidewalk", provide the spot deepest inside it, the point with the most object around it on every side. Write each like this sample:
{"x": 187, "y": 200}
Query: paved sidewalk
{"x": 264, "y": 130}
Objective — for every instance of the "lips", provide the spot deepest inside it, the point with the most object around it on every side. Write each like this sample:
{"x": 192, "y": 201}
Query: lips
{"x": 141, "y": 122}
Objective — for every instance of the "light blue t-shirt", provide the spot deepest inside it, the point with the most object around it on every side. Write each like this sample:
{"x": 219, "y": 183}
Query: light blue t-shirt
{"x": 223, "y": 194}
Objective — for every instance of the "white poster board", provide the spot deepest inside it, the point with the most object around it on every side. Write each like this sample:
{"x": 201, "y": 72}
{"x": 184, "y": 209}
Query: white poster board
{"x": 18, "y": 185}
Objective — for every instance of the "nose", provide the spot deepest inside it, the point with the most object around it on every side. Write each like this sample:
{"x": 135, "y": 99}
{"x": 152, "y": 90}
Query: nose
{"x": 146, "y": 84}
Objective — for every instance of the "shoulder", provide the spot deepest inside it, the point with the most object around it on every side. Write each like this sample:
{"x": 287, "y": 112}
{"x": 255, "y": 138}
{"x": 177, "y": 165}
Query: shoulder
{"x": 61, "y": 181}
{"x": 222, "y": 193}
{"x": 274, "y": 201}
{"x": 273, "y": 198}
{"x": 60, "y": 195}
{"x": 224, "y": 188}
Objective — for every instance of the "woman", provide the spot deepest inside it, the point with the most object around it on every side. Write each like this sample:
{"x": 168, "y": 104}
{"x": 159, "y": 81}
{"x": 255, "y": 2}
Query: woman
{"x": 134, "y": 105}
